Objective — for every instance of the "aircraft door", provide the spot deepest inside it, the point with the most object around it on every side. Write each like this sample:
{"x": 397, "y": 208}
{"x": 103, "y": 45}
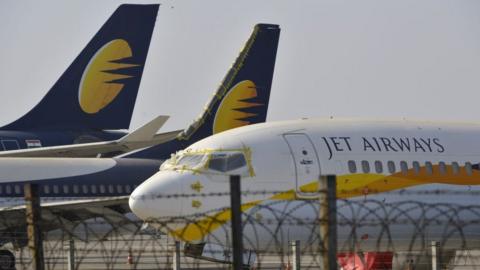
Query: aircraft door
{"x": 10, "y": 144}
{"x": 307, "y": 165}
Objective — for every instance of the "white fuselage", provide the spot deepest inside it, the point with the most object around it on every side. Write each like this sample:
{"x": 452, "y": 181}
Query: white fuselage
{"x": 399, "y": 184}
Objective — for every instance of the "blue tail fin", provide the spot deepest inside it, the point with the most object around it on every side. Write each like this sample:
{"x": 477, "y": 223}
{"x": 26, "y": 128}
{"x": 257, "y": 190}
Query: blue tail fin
{"x": 99, "y": 89}
{"x": 242, "y": 98}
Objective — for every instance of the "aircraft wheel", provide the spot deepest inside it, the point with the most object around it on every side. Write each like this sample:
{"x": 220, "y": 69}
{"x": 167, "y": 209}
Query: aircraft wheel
{"x": 7, "y": 260}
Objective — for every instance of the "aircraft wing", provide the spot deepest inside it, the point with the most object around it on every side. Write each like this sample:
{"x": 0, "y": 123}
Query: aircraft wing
{"x": 142, "y": 137}
{"x": 67, "y": 216}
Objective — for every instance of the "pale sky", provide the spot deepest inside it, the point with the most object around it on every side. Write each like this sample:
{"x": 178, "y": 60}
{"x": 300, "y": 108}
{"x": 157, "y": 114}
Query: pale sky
{"x": 389, "y": 59}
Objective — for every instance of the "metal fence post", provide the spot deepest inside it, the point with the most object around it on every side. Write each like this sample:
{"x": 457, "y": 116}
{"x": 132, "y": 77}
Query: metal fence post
{"x": 328, "y": 222}
{"x": 33, "y": 216}
{"x": 71, "y": 254}
{"x": 435, "y": 256}
{"x": 176, "y": 256}
{"x": 295, "y": 248}
{"x": 236, "y": 202}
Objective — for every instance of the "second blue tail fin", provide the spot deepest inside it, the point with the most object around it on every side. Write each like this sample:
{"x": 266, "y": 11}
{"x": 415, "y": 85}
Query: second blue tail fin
{"x": 242, "y": 98}
{"x": 99, "y": 89}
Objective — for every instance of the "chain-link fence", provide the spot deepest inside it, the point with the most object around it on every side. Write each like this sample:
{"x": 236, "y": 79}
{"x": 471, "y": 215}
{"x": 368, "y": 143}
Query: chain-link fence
{"x": 391, "y": 231}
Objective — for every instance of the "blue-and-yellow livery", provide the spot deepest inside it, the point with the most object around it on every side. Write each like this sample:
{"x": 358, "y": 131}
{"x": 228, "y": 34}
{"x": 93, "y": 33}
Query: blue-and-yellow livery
{"x": 384, "y": 169}
{"x": 241, "y": 100}
{"x": 98, "y": 90}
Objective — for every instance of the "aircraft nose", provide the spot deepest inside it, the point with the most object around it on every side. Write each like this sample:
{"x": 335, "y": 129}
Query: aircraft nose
{"x": 157, "y": 197}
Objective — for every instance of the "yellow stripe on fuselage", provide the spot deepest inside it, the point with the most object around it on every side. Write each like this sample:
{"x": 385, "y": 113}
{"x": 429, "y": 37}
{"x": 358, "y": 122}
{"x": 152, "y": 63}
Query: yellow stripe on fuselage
{"x": 348, "y": 186}
{"x": 199, "y": 229}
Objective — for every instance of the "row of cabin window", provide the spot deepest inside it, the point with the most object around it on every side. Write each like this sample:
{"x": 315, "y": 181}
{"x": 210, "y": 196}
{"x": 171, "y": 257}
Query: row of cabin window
{"x": 378, "y": 167}
{"x": 65, "y": 189}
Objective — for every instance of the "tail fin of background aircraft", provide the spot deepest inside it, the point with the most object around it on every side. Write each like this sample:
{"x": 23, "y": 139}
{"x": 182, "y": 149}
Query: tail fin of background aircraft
{"x": 99, "y": 89}
{"x": 242, "y": 98}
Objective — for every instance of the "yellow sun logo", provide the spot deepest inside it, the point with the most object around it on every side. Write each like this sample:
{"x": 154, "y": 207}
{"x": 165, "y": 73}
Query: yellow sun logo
{"x": 100, "y": 84}
{"x": 233, "y": 111}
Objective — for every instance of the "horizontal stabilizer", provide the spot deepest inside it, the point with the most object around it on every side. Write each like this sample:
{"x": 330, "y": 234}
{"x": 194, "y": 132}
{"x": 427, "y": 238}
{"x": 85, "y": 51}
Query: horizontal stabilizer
{"x": 145, "y": 132}
{"x": 144, "y": 136}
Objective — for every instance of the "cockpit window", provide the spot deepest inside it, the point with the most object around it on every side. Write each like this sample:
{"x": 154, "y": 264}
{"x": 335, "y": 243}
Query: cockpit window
{"x": 224, "y": 162}
{"x": 184, "y": 161}
{"x": 190, "y": 160}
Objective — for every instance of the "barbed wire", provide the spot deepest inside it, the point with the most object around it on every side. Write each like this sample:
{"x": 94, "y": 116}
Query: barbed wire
{"x": 398, "y": 230}
{"x": 468, "y": 191}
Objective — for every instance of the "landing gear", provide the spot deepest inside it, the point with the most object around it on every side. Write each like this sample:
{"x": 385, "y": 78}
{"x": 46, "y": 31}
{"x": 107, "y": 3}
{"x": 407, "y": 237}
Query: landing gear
{"x": 7, "y": 260}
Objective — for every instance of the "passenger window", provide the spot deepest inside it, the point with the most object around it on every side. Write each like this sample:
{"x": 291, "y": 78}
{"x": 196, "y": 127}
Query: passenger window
{"x": 110, "y": 189}
{"x": 416, "y": 167}
{"x": 404, "y": 167}
{"x": 102, "y": 189}
{"x": 391, "y": 166}
{"x": 442, "y": 168}
{"x": 17, "y": 189}
{"x": 8, "y": 189}
{"x": 85, "y": 189}
{"x": 55, "y": 189}
{"x": 46, "y": 189}
{"x": 352, "y": 166}
{"x": 93, "y": 189}
{"x": 75, "y": 189}
{"x": 128, "y": 189}
{"x": 468, "y": 168}
{"x": 119, "y": 189}
{"x": 1, "y": 189}
{"x": 429, "y": 167}
{"x": 365, "y": 166}
{"x": 455, "y": 168}
{"x": 378, "y": 166}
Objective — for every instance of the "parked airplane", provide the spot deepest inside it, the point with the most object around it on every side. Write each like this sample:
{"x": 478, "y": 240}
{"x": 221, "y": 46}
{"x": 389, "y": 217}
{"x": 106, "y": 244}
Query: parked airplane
{"x": 98, "y": 90}
{"x": 281, "y": 162}
{"x": 241, "y": 99}
{"x": 142, "y": 137}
